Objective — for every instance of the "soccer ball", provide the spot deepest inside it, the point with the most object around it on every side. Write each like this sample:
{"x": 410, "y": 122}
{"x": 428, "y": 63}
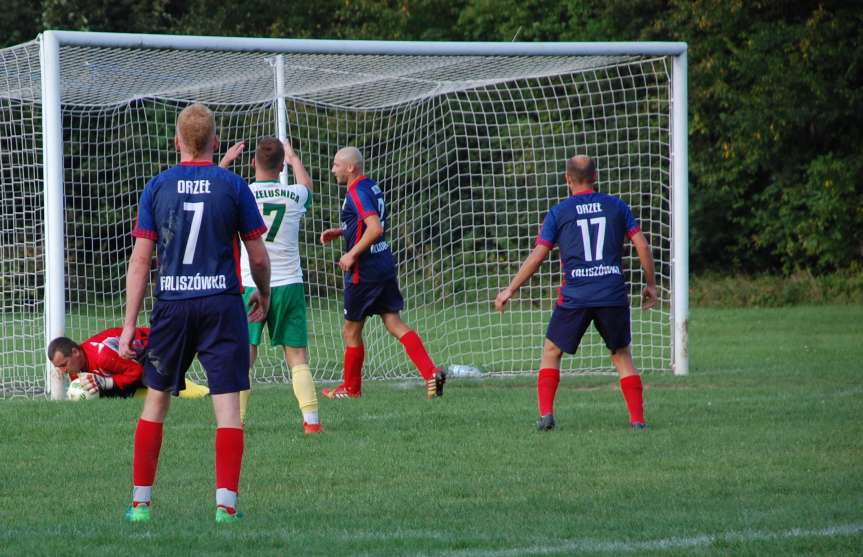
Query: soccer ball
{"x": 77, "y": 391}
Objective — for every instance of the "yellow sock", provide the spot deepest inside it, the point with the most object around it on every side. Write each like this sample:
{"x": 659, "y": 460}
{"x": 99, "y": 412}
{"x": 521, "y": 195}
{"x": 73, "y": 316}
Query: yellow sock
{"x": 194, "y": 390}
{"x": 304, "y": 388}
{"x": 244, "y": 403}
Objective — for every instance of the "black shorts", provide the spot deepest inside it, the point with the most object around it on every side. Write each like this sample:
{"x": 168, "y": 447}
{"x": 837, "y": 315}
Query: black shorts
{"x": 567, "y": 326}
{"x": 372, "y": 298}
{"x": 213, "y": 327}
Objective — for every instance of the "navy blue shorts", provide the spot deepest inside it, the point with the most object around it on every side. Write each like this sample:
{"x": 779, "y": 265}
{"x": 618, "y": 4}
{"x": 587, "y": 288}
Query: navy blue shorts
{"x": 372, "y": 298}
{"x": 214, "y": 328}
{"x": 567, "y": 326}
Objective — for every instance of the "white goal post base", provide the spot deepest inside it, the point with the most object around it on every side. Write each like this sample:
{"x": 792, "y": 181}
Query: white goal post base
{"x": 468, "y": 140}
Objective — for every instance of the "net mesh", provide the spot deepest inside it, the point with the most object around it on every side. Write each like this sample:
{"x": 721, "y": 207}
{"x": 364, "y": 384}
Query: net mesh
{"x": 468, "y": 150}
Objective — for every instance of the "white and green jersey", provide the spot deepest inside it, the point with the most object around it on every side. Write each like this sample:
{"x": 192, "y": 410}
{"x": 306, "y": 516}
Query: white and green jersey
{"x": 282, "y": 208}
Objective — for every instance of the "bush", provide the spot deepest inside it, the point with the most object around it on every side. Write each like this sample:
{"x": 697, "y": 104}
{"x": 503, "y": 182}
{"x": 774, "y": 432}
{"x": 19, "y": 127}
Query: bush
{"x": 774, "y": 291}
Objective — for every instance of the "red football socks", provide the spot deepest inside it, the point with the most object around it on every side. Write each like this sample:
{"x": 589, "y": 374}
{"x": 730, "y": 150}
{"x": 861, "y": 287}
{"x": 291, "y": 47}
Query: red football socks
{"x": 353, "y": 371}
{"x": 148, "y": 443}
{"x": 229, "y": 457}
{"x": 417, "y": 353}
{"x": 632, "y": 394}
{"x": 546, "y": 389}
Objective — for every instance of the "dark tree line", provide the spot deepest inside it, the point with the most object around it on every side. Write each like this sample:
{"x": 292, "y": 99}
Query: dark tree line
{"x": 775, "y": 94}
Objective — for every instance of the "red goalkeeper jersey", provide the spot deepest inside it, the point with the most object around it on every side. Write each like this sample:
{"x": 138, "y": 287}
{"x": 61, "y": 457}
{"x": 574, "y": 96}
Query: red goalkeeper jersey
{"x": 102, "y": 351}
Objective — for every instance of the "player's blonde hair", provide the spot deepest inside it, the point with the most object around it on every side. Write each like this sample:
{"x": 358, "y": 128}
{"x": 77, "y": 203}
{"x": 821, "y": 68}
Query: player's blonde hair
{"x": 196, "y": 128}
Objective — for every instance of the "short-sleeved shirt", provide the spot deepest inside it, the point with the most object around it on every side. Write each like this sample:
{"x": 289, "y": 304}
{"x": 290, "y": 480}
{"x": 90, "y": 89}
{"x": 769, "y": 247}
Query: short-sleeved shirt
{"x": 196, "y": 212}
{"x": 282, "y": 207}
{"x": 376, "y": 264}
{"x": 589, "y": 228}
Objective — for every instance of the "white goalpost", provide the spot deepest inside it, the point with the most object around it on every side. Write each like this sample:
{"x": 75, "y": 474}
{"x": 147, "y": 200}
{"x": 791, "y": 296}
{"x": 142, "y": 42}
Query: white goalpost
{"x": 468, "y": 141}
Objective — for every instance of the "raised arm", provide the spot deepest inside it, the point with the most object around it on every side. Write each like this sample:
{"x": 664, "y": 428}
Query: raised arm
{"x": 648, "y": 296}
{"x": 527, "y": 270}
{"x": 300, "y": 173}
{"x": 231, "y": 155}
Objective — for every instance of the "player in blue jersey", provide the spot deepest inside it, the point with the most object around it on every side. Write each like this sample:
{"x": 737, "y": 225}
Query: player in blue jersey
{"x": 371, "y": 284}
{"x": 589, "y": 228}
{"x": 195, "y": 214}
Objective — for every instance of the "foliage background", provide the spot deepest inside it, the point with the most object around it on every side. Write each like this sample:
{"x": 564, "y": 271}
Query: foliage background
{"x": 776, "y": 95}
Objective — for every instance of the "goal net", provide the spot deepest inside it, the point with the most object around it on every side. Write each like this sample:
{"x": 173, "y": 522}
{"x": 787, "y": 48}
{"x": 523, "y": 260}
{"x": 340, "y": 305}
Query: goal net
{"x": 469, "y": 151}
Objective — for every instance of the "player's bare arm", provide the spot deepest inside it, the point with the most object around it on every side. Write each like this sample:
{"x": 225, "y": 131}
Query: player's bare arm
{"x": 528, "y": 268}
{"x": 374, "y": 230}
{"x": 137, "y": 278}
{"x": 300, "y": 173}
{"x": 648, "y": 295}
{"x": 232, "y": 154}
{"x": 330, "y": 234}
{"x": 259, "y": 262}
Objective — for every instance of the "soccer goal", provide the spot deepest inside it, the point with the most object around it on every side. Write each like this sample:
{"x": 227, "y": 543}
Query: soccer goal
{"x": 468, "y": 141}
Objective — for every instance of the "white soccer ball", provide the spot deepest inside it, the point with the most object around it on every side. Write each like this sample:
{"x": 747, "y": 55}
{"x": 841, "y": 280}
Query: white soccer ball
{"x": 77, "y": 391}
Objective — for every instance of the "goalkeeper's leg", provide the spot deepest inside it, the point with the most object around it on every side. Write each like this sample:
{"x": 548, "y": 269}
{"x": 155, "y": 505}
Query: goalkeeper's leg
{"x": 194, "y": 390}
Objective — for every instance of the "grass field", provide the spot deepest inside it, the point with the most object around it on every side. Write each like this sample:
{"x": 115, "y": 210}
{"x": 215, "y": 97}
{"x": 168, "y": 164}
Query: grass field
{"x": 758, "y": 452}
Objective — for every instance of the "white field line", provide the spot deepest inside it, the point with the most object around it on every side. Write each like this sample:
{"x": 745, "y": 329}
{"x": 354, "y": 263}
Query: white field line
{"x": 599, "y": 546}
{"x": 568, "y": 547}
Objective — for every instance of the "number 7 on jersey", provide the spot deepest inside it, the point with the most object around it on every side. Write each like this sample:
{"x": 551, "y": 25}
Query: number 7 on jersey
{"x": 198, "y": 209}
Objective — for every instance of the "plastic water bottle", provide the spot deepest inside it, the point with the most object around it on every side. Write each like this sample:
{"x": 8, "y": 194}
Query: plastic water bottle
{"x": 461, "y": 370}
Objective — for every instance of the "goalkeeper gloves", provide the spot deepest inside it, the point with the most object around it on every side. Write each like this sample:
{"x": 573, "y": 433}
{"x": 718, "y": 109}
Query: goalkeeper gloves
{"x": 96, "y": 383}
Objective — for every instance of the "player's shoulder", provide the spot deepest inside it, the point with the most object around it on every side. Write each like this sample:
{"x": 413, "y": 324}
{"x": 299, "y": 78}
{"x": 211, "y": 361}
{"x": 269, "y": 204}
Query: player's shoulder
{"x": 102, "y": 335}
{"x": 558, "y": 208}
{"x": 256, "y": 186}
{"x": 601, "y": 197}
{"x": 368, "y": 185}
{"x": 226, "y": 175}
{"x": 300, "y": 189}
{"x": 613, "y": 200}
{"x": 361, "y": 191}
{"x": 189, "y": 171}
{"x": 160, "y": 178}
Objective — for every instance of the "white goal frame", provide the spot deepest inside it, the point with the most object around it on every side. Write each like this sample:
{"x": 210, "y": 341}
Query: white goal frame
{"x": 53, "y": 156}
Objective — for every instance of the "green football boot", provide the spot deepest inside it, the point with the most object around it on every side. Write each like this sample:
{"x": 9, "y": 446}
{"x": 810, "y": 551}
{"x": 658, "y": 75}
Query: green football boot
{"x": 141, "y": 513}
{"x": 223, "y": 516}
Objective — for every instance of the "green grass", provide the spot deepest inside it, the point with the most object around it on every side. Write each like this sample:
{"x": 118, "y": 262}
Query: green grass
{"x": 452, "y": 335}
{"x": 759, "y": 451}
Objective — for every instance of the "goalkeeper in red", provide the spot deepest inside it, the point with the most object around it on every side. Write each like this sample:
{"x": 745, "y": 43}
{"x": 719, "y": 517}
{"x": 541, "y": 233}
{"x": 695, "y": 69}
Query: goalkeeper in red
{"x": 97, "y": 362}
{"x": 371, "y": 285}
{"x": 589, "y": 228}
{"x": 194, "y": 214}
